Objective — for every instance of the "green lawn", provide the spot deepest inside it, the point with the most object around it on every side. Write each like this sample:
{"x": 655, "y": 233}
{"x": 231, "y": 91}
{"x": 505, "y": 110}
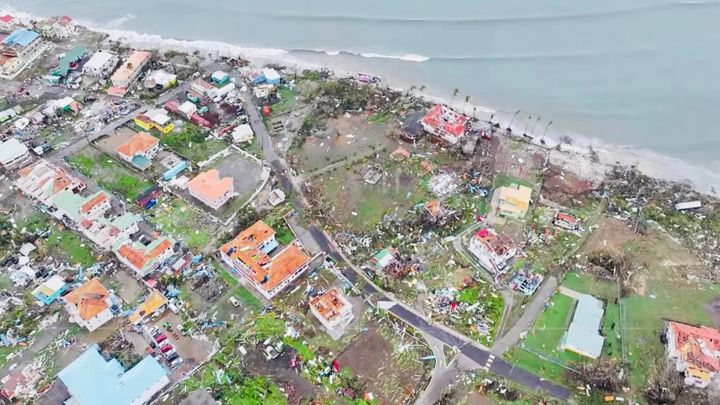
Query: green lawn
{"x": 6, "y": 351}
{"x": 192, "y": 142}
{"x": 62, "y": 242}
{"x": 248, "y": 298}
{"x": 71, "y": 247}
{"x": 644, "y": 316}
{"x": 111, "y": 175}
{"x": 180, "y": 220}
{"x": 287, "y": 101}
{"x": 501, "y": 180}
{"x": 85, "y": 164}
{"x": 545, "y": 338}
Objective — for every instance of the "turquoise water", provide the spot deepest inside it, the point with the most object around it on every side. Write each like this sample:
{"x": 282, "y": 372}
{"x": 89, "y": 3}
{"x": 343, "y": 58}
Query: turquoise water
{"x": 631, "y": 72}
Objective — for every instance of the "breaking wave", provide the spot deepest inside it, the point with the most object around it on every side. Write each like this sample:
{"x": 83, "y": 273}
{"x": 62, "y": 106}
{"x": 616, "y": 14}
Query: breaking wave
{"x": 120, "y": 21}
{"x": 484, "y": 20}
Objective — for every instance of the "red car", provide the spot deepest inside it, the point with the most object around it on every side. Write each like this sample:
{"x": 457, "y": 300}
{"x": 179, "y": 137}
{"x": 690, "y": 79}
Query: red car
{"x": 166, "y": 348}
{"x": 159, "y": 338}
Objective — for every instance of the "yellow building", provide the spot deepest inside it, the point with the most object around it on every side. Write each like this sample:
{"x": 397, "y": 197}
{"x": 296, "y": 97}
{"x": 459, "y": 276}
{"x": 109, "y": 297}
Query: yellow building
{"x": 153, "y": 302}
{"x": 155, "y": 119}
{"x": 513, "y": 201}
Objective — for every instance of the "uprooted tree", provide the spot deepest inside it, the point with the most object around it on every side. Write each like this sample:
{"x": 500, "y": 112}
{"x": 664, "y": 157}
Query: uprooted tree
{"x": 604, "y": 374}
{"x": 665, "y": 386}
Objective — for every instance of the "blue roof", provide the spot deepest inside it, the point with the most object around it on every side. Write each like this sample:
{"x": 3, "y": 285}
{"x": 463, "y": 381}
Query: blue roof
{"x": 21, "y": 37}
{"x": 583, "y": 334}
{"x": 91, "y": 380}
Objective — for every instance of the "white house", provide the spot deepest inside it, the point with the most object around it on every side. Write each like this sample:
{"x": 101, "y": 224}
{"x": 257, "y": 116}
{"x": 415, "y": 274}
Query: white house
{"x": 101, "y": 64}
{"x": 90, "y": 304}
{"x": 332, "y": 309}
{"x": 13, "y": 154}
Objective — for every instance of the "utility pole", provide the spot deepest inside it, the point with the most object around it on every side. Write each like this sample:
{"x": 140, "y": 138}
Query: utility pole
{"x": 527, "y": 124}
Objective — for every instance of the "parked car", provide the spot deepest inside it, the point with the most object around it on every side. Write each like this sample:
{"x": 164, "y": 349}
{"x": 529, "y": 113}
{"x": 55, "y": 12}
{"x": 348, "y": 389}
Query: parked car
{"x": 170, "y": 353}
{"x": 167, "y": 348}
{"x": 159, "y": 338}
{"x": 234, "y": 302}
{"x": 175, "y": 363}
{"x": 172, "y": 357}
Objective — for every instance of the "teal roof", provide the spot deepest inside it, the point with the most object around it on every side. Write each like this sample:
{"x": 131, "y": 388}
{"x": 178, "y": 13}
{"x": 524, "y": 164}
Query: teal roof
{"x": 125, "y": 221}
{"x": 69, "y": 203}
{"x": 91, "y": 380}
{"x": 71, "y": 56}
{"x": 583, "y": 334}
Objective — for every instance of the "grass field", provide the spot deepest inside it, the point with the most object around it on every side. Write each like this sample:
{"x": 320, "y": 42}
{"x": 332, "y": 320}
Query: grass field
{"x": 362, "y": 206}
{"x": 192, "y": 143}
{"x": 62, "y": 243}
{"x": 545, "y": 338}
{"x": 180, "y": 220}
{"x": 644, "y": 317}
{"x": 111, "y": 175}
{"x": 287, "y": 101}
{"x": 502, "y": 180}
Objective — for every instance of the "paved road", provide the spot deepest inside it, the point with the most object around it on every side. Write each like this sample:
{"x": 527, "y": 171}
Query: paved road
{"x": 472, "y": 350}
{"x": 532, "y": 310}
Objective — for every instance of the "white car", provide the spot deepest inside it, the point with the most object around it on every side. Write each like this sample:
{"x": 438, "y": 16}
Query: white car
{"x": 234, "y": 302}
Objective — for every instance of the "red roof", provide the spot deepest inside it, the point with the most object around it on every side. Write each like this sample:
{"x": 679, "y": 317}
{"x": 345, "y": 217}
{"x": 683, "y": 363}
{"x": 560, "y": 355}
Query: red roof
{"x": 565, "y": 217}
{"x": 97, "y": 200}
{"x": 443, "y": 119}
{"x": 699, "y": 345}
{"x": 6, "y": 18}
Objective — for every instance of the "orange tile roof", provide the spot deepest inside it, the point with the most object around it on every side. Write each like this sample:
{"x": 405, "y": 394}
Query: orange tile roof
{"x": 329, "y": 305}
{"x": 699, "y": 345}
{"x": 133, "y": 63}
{"x": 90, "y": 298}
{"x": 282, "y": 266}
{"x": 209, "y": 185}
{"x": 247, "y": 244}
{"x": 138, "y": 257}
{"x": 139, "y": 143}
{"x": 97, "y": 200}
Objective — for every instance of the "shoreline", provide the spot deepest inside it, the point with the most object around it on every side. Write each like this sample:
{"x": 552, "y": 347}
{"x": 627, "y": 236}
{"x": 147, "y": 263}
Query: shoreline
{"x": 576, "y": 155}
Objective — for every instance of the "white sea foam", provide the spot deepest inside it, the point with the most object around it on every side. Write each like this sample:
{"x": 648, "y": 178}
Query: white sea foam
{"x": 120, "y": 21}
{"x": 408, "y": 57}
{"x": 704, "y": 178}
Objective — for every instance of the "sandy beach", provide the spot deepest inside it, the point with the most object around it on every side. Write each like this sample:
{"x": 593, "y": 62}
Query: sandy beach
{"x": 575, "y": 156}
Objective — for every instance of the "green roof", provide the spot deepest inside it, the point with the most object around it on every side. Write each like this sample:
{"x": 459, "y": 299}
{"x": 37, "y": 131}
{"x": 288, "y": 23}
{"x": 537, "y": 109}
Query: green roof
{"x": 125, "y": 221}
{"x": 71, "y": 56}
{"x": 69, "y": 203}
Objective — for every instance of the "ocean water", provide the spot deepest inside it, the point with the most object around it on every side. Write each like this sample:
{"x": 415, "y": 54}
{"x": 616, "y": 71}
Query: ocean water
{"x": 641, "y": 74}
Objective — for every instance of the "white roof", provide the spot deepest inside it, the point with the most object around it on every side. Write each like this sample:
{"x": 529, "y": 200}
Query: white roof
{"x": 688, "y": 205}
{"x": 271, "y": 74}
{"x": 188, "y": 108}
{"x": 219, "y": 75}
{"x": 54, "y": 283}
{"x": 99, "y": 59}
{"x": 243, "y": 133}
{"x": 158, "y": 115}
{"x": 161, "y": 77}
{"x": 11, "y": 150}
{"x": 26, "y": 248}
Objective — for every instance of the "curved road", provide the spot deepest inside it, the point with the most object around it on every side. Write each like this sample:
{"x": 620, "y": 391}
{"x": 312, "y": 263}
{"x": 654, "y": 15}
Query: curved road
{"x": 468, "y": 347}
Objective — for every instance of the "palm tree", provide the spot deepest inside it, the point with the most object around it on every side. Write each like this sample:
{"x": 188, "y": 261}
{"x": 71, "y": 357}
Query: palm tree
{"x": 527, "y": 124}
{"x": 546, "y": 128}
{"x": 532, "y": 130}
{"x": 467, "y": 100}
{"x": 455, "y": 93}
{"x": 509, "y": 127}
